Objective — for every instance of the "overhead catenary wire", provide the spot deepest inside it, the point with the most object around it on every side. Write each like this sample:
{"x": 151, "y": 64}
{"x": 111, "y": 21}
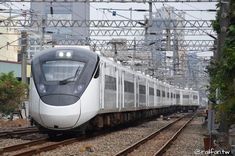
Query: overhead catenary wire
{"x": 10, "y": 43}
{"x": 191, "y": 23}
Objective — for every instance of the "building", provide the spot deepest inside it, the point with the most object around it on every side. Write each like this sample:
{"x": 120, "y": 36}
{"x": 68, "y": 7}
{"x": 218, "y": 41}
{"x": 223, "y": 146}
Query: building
{"x": 9, "y": 44}
{"x": 15, "y": 67}
{"x": 52, "y": 11}
{"x": 163, "y": 38}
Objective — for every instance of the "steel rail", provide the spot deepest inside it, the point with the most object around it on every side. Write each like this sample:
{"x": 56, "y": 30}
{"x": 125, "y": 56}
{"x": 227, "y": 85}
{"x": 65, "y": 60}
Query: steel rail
{"x": 18, "y": 131}
{"x": 168, "y": 143}
{"x": 131, "y": 148}
{"x": 42, "y": 143}
{"x": 47, "y": 147}
{"x": 22, "y": 146}
{"x": 144, "y": 140}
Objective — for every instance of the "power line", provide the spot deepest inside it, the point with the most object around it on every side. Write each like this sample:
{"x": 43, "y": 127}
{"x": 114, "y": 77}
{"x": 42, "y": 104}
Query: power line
{"x": 9, "y": 43}
{"x": 116, "y": 1}
{"x": 193, "y": 25}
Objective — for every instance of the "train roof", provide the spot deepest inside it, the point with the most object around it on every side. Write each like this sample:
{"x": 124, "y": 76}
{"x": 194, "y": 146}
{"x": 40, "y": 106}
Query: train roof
{"x": 83, "y": 52}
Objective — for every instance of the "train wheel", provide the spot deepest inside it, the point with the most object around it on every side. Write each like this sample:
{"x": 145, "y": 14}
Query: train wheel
{"x": 52, "y": 135}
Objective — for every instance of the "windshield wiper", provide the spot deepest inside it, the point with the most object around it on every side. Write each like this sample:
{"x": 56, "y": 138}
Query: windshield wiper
{"x": 65, "y": 81}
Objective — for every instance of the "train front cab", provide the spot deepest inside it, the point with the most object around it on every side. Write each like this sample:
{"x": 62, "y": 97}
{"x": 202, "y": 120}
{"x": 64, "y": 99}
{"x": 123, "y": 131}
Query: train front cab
{"x": 59, "y": 85}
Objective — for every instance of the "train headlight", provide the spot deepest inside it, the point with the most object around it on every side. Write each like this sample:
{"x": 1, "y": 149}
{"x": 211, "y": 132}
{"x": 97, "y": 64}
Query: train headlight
{"x": 68, "y": 54}
{"x": 64, "y": 54}
{"x": 61, "y": 54}
{"x": 78, "y": 89}
{"x": 42, "y": 88}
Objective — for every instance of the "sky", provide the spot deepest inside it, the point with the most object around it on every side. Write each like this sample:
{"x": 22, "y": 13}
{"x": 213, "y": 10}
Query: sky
{"x": 97, "y": 11}
{"x": 101, "y": 14}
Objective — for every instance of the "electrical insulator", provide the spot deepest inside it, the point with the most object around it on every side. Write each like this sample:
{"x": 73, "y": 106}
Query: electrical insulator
{"x": 51, "y": 9}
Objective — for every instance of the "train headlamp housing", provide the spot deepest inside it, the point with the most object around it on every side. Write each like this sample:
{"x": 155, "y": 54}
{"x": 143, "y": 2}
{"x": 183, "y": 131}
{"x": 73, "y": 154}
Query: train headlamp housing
{"x": 42, "y": 88}
{"x": 65, "y": 54}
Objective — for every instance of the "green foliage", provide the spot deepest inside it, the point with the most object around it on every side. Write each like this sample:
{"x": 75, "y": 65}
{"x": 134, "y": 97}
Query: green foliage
{"x": 216, "y": 26}
{"x": 215, "y": 23}
{"x": 227, "y": 108}
{"x": 12, "y": 93}
{"x": 222, "y": 71}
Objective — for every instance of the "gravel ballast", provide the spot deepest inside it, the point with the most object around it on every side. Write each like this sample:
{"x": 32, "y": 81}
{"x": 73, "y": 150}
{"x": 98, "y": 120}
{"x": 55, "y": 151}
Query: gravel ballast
{"x": 111, "y": 143}
{"x": 190, "y": 141}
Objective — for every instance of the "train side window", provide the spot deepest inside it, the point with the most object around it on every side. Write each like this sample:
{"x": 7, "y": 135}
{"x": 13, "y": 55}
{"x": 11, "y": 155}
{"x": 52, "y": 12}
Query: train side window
{"x": 142, "y": 89}
{"x": 158, "y": 92}
{"x": 185, "y": 96}
{"x": 151, "y": 91}
{"x": 110, "y": 82}
{"x": 163, "y": 94}
{"x": 128, "y": 86}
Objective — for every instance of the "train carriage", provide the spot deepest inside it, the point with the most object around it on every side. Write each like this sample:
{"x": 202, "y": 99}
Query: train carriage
{"x": 71, "y": 86}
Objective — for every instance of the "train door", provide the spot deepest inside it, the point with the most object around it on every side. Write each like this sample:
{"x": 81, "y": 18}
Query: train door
{"x": 122, "y": 89}
{"x": 110, "y": 88}
{"x": 158, "y": 94}
{"x": 181, "y": 97}
{"x": 147, "y": 92}
{"x": 120, "y": 84}
{"x": 137, "y": 92}
{"x": 155, "y": 95}
{"x": 102, "y": 84}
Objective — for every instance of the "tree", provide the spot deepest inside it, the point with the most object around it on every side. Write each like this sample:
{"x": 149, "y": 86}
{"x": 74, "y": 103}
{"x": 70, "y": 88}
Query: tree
{"x": 222, "y": 70}
{"x": 12, "y": 93}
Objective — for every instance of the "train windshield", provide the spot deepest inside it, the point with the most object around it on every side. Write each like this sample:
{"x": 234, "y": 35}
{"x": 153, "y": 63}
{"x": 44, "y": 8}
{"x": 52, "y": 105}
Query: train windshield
{"x": 63, "y": 71}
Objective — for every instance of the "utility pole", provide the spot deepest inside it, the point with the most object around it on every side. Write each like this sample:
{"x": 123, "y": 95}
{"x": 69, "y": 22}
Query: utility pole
{"x": 175, "y": 55}
{"x": 150, "y": 23}
{"x": 42, "y": 33}
{"x": 224, "y": 23}
{"x": 150, "y": 12}
{"x": 115, "y": 43}
{"x": 133, "y": 57}
{"x": 168, "y": 39}
{"x": 23, "y": 56}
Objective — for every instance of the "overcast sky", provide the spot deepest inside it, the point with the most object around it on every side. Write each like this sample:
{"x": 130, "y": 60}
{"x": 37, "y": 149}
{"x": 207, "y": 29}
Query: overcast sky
{"x": 97, "y": 13}
{"x": 140, "y": 15}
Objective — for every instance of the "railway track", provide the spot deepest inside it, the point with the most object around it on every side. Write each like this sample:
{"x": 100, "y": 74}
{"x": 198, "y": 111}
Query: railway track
{"x": 156, "y": 143}
{"x": 19, "y": 131}
{"x": 43, "y": 145}
{"x": 36, "y": 147}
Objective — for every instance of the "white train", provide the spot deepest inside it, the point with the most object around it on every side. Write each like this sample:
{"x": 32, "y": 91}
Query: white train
{"x": 71, "y": 86}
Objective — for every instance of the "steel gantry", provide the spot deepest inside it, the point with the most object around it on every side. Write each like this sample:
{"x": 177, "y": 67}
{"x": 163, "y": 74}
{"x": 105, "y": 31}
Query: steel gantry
{"x": 132, "y": 28}
{"x": 205, "y": 24}
{"x": 111, "y": 1}
{"x": 104, "y": 45}
{"x": 142, "y": 32}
